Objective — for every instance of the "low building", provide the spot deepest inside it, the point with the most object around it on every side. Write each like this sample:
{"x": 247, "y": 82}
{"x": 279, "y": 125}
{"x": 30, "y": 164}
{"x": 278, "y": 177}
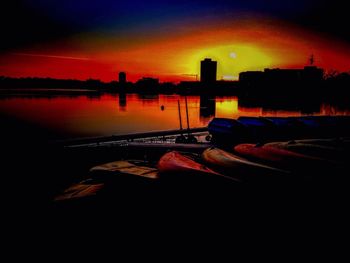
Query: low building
{"x": 282, "y": 77}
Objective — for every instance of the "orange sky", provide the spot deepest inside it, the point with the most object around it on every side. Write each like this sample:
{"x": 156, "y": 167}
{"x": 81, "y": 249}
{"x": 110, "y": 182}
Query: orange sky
{"x": 236, "y": 45}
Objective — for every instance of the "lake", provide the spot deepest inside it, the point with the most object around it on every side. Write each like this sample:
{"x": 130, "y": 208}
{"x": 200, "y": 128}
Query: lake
{"x": 88, "y": 116}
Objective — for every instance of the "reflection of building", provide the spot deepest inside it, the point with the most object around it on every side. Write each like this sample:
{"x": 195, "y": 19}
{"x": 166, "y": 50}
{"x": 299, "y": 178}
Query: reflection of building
{"x": 207, "y": 107}
{"x": 122, "y": 101}
{"x": 147, "y": 83}
{"x": 288, "y": 103}
{"x": 208, "y": 71}
{"x": 307, "y": 75}
{"x": 122, "y": 77}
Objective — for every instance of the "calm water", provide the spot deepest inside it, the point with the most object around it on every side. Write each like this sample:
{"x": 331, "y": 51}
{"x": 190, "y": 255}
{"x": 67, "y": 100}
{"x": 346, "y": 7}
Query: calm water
{"x": 84, "y": 116}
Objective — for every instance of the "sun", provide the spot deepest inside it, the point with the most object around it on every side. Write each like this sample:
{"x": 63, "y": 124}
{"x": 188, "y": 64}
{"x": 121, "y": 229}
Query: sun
{"x": 233, "y": 55}
{"x": 230, "y": 63}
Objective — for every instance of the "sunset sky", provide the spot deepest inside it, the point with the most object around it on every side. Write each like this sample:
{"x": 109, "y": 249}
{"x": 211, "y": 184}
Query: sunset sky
{"x": 167, "y": 39}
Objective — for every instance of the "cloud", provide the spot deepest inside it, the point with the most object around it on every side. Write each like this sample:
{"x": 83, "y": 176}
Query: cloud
{"x": 50, "y": 56}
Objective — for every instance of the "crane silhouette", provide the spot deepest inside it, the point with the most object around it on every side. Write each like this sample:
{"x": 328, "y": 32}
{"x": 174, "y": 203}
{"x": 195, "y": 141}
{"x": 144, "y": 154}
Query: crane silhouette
{"x": 191, "y": 75}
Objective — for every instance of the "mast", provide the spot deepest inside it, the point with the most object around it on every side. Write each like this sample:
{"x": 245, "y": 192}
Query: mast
{"x": 180, "y": 120}
{"x": 188, "y": 122}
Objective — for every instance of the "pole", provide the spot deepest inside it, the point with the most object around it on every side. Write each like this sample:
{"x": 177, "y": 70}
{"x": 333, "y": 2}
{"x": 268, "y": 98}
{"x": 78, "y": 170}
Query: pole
{"x": 178, "y": 105}
{"x": 188, "y": 122}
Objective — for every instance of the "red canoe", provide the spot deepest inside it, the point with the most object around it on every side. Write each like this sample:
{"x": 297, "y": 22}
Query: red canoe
{"x": 275, "y": 156}
{"x": 179, "y": 164}
{"x": 327, "y": 153}
{"x": 239, "y": 167}
{"x": 81, "y": 191}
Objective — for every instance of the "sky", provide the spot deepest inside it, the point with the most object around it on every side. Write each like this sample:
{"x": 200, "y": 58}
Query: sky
{"x": 168, "y": 39}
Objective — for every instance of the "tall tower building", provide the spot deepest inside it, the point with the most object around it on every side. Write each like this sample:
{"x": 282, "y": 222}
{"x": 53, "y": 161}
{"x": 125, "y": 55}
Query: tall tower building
{"x": 122, "y": 77}
{"x": 208, "y": 71}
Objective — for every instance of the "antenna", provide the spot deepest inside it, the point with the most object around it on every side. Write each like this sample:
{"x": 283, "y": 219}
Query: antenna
{"x": 312, "y": 60}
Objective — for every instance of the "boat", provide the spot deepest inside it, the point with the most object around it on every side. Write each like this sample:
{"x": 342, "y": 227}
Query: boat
{"x": 84, "y": 190}
{"x": 176, "y": 165}
{"x": 225, "y": 130}
{"x": 327, "y": 153}
{"x": 339, "y": 142}
{"x": 258, "y": 128}
{"x": 111, "y": 182}
{"x": 238, "y": 167}
{"x": 124, "y": 170}
{"x": 277, "y": 157}
{"x": 263, "y": 129}
{"x": 287, "y": 128}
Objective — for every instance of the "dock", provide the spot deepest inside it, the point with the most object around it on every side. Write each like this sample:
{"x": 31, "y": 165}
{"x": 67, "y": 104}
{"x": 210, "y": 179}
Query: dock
{"x": 117, "y": 139}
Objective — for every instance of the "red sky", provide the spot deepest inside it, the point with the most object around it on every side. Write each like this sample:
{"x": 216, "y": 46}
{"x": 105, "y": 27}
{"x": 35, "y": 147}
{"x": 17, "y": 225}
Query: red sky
{"x": 237, "y": 45}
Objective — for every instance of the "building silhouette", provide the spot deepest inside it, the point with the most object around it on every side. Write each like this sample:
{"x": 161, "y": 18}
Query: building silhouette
{"x": 307, "y": 75}
{"x": 208, "y": 71}
{"x": 147, "y": 83}
{"x": 122, "y": 77}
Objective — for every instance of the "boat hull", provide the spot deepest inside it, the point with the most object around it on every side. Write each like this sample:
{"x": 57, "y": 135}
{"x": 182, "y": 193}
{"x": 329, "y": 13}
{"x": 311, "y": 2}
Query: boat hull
{"x": 240, "y": 168}
{"x": 124, "y": 169}
{"x": 178, "y": 166}
{"x": 277, "y": 157}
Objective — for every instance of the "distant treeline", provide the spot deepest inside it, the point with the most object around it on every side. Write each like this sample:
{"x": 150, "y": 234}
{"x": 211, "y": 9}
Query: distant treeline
{"x": 332, "y": 83}
{"x": 50, "y": 83}
{"x": 145, "y": 85}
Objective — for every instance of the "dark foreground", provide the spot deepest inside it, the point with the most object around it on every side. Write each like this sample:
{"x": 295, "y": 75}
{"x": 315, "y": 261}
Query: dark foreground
{"x": 35, "y": 172}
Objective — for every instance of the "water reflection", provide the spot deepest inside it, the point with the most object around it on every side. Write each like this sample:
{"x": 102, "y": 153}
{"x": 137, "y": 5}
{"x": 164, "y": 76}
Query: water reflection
{"x": 293, "y": 104}
{"x": 130, "y": 113}
{"x": 122, "y": 102}
{"x": 207, "y": 107}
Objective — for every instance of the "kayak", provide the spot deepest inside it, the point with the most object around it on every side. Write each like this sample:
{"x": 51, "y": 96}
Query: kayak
{"x": 82, "y": 190}
{"x": 176, "y": 163}
{"x": 131, "y": 168}
{"x": 236, "y": 166}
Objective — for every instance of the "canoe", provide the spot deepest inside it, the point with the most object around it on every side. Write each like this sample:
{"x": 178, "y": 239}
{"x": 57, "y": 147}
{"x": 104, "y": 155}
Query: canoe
{"x": 164, "y": 147}
{"x": 180, "y": 165}
{"x": 287, "y": 128}
{"x": 83, "y": 190}
{"x": 276, "y": 157}
{"x": 175, "y": 162}
{"x": 261, "y": 129}
{"x": 225, "y": 130}
{"x": 238, "y": 167}
{"x": 313, "y": 150}
{"x": 131, "y": 169}
{"x": 283, "y": 121}
{"x": 325, "y": 126}
{"x": 111, "y": 181}
{"x": 224, "y": 126}
{"x": 258, "y": 128}
{"x": 340, "y": 143}
{"x": 255, "y": 121}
